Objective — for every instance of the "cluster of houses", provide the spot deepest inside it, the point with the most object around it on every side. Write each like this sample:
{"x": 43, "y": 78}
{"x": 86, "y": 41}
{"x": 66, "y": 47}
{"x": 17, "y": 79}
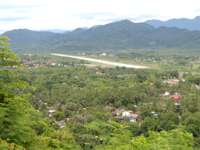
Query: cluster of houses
{"x": 129, "y": 115}
{"x": 30, "y": 63}
{"x": 132, "y": 116}
{"x": 175, "y": 97}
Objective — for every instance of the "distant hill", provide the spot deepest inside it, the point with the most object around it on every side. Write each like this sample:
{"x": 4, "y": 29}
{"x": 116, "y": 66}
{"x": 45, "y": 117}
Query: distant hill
{"x": 28, "y": 40}
{"x": 190, "y": 24}
{"x": 114, "y": 36}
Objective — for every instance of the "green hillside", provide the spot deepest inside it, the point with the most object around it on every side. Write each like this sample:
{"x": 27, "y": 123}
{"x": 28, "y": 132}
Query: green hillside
{"x": 122, "y": 35}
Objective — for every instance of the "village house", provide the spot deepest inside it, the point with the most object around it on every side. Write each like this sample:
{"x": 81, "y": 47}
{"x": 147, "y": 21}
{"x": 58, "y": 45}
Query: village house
{"x": 117, "y": 112}
{"x": 166, "y": 94}
{"x": 197, "y": 87}
{"x": 99, "y": 73}
{"x": 126, "y": 114}
{"x": 51, "y": 111}
{"x": 130, "y": 115}
{"x": 172, "y": 82}
{"x": 103, "y": 54}
{"x": 155, "y": 114}
{"x": 176, "y": 98}
{"x": 61, "y": 123}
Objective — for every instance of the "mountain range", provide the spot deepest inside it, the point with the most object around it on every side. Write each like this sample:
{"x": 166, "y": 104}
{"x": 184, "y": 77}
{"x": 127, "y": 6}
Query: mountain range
{"x": 116, "y": 36}
{"x": 182, "y": 23}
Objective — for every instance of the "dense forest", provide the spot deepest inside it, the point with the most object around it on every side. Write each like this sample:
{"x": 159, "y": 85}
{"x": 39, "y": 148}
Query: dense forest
{"x": 74, "y": 107}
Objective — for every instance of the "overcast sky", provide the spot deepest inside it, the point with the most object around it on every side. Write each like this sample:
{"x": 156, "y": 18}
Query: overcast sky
{"x": 70, "y": 14}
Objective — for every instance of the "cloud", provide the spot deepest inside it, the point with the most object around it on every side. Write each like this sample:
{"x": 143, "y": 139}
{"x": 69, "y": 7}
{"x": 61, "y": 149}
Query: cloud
{"x": 197, "y": 11}
{"x": 68, "y": 14}
{"x": 93, "y": 15}
{"x": 12, "y": 19}
{"x": 11, "y": 7}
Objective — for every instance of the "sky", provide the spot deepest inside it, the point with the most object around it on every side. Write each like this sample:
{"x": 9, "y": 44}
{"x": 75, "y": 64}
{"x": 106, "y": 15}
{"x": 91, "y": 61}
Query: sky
{"x": 71, "y": 14}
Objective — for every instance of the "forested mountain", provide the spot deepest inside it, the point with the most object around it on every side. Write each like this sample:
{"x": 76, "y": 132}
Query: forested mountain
{"x": 114, "y": 36}
{"x": 27, "y": 40}
{"x": 183, "y": 23}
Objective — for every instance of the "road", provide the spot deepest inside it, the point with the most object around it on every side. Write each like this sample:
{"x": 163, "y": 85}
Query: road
{"x": 101, "y": 61}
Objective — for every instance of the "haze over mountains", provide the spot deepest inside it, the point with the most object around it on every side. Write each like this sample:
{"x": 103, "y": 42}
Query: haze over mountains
{"x": 172, "y": 34}
{"x": 182, "y": 23}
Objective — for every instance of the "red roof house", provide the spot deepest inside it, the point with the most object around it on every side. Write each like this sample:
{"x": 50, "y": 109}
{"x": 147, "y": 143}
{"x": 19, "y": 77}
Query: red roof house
{"x": 176, "y": 98}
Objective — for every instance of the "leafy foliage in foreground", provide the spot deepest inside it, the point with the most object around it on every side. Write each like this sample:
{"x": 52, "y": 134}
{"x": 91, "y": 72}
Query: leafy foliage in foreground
{"x": 172, "y": 140}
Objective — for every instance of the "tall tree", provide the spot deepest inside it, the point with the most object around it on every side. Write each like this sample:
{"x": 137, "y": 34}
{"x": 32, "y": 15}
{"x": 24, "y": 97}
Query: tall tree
{"x": 15, "y": 125}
